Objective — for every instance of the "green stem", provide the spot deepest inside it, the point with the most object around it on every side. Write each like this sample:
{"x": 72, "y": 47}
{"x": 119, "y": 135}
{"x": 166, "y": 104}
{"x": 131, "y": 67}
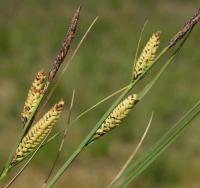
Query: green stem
{"x": 4, "y": 175}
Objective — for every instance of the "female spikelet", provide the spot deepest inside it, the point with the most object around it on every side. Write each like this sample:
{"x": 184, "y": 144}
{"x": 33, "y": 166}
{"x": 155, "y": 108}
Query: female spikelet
{"x": 147, "y": 56}
{"x": 38, "y": 132}
{"x": 116, "y": 116}
{"x": 34, "y": 94}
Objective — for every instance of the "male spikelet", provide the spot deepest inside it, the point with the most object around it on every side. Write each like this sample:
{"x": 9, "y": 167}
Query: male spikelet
{"x": 38, "y": 132}
{"x": 65, "y": 45}
{"x": 116, "y": 116}
{"x": 187, "y": 26}
{"x": 34, "y": 95}
{"x": 147, "y": 56}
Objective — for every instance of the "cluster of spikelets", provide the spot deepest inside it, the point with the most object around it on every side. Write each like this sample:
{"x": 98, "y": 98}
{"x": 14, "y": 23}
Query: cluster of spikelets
{"x": 147, "y": 56}
{"x": 116, "y": 116}
{"x": 34, "y": 95}
{"x": 38, "y": 132}
{"x": 120, "y": 112}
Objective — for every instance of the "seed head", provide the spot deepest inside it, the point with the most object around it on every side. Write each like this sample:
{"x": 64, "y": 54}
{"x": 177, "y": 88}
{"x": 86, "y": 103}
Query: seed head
{"x": 117, "y": 116}
{"x": 147, "y": 56}
{"x": 38, "y": 132}
{"x": 34, "y": 94}
{"x": 65, "y": 45}
{"x": 184, "y": 30}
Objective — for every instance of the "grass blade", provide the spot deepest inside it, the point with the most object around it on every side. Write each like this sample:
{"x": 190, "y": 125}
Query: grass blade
{"x": 62, "y": 141}
{"x": 139, "y": 42}
{"x": 170, "y": 137}
{"x": 133, "y": 154}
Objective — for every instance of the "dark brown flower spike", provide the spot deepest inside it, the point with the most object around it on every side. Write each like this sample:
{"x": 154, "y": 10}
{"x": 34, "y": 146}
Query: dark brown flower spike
{"x": 65, "y": 45}
{"x": 188, "y": 25}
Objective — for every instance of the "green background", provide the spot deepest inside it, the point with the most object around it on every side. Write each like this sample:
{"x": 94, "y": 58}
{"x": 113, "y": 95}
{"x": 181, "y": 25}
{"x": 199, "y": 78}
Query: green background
{"x": 30, "y": 36}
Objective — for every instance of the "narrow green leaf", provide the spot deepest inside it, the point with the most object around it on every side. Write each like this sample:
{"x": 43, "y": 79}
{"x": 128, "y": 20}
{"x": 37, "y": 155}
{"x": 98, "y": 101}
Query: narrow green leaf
{"x": 137, "y": 167}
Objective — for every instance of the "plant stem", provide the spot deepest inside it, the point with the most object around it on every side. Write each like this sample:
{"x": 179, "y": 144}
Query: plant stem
{"x": 133, "y": 154}
{"x": 3, "y": 175}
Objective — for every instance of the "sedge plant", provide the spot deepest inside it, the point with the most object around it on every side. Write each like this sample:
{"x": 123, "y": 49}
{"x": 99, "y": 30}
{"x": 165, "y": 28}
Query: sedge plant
{"x": 34, "y": 133}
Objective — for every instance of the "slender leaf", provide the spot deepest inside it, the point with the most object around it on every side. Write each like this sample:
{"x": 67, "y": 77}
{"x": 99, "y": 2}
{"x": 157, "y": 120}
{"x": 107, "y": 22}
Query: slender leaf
{"x": 137, "y": 167}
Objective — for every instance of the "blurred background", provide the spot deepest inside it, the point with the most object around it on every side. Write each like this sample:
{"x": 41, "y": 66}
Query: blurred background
{"x": 30, "y": 36}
